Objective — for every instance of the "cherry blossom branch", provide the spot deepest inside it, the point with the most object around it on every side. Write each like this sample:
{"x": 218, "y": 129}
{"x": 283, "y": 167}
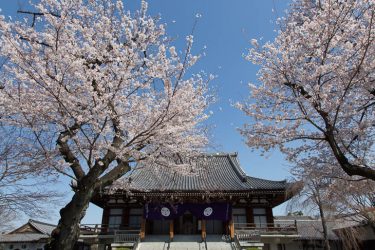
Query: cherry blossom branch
{"x": 68, "y": 155}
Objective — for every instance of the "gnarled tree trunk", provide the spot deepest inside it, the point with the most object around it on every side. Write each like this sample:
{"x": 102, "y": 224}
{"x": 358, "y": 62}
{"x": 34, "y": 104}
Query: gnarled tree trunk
{"x": 67, "y": 232}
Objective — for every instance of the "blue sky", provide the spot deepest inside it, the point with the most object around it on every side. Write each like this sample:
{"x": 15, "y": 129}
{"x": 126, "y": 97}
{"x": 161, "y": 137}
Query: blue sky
{"x": 225, "y": 29}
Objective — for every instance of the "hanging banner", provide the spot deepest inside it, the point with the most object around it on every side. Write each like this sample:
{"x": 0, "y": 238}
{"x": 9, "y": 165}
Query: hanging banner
{"x": 206, "y": 211}
{"x": 211, "y": 211}
{"x": 154, "y": 211}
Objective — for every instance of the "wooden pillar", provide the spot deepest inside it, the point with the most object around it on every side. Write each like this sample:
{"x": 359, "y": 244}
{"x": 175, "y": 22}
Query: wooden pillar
{"x": 231, "y": 229}
{"x": 203, "y": 227}
{"x": 105, "y": 220}
{"x": 250, "y": 216}
{"x": 142, "y": 234}
{"x": 125, "y": 217}
{"x": 171, "y": 230}
{"x": 269, "y": 215}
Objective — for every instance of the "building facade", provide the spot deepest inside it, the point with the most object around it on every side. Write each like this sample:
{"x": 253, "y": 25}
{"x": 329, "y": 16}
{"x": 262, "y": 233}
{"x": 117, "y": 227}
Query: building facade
{"x": 216, "y": 198}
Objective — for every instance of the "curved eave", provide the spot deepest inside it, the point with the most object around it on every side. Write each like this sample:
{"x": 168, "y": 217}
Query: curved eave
{"x": 199, "y": 192}
{"x": 278, "y": 195}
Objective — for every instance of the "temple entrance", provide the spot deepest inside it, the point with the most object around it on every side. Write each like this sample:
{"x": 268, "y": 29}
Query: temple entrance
{"x": 214, "y": 227}
{"x": 160, "y": 227}
{"x": 186, "y": 224}
{"x": 187, "y": 218}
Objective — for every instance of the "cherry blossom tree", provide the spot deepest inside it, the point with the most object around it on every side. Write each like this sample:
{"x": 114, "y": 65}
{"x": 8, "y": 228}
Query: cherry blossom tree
{"x": 96, "y": 89}
{"x": 335, "y": 198}
{"x": 317, "y": 86}
{"x": 314, "y": 197}
{"x": 20, "y": 193}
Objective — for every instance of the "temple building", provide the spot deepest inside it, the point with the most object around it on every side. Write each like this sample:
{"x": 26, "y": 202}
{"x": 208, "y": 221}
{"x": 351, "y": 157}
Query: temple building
{"x": 215, "y": 198}
{"x": 32, "y": 236}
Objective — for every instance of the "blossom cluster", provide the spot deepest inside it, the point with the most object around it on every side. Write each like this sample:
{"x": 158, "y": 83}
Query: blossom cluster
{"x": 89, "y": 79}
{"x": 317, "y": 88}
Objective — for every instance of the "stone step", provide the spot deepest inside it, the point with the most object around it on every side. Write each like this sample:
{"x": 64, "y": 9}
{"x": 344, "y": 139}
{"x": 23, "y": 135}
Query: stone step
{"x": 219, "y": 242}
{"x": 184, "y": 242}
{"x": 154, "y": 242}
{"x": 185, "y": 246}
{"x": 152, "y": 246}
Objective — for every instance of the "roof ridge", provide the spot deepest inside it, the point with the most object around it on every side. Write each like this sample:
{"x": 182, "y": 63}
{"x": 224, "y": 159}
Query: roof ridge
{"x": 219, "y": 154}
{"x": 41, "y": 222}
{"x": 237, "y": 169}
{"x": 258, "y": 178}
{"x": 35, "y": 223}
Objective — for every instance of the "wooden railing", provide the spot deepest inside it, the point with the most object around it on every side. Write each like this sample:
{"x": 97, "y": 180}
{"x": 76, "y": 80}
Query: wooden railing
{"x": 126, "y": 236}
{"x": 87, "y": 229}
{"x": 135, "y": 246}
{"x": 116, "y": 234}
{"x": 204, "y": 240}
{"x": 93, "y": 228}
{"x": 167, "y": 244}
{"x": 250, "y": 231}
{"x": 236, "y": 245}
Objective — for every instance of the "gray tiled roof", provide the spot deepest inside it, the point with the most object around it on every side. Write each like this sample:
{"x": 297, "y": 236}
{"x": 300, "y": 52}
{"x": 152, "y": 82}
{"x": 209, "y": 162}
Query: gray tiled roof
{"x": 25, "y": 237}
{"x": 292, "y": 218}
{"x": 214, "y": 172}
{"x": 42, "y": 226}
{"x": 41, "y": 231}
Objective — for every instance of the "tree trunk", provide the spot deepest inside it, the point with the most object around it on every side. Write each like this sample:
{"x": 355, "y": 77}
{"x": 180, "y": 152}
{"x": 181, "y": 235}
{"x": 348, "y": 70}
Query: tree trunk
{"x": 324, "y": 225}
{"x": 67, "y": 232}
